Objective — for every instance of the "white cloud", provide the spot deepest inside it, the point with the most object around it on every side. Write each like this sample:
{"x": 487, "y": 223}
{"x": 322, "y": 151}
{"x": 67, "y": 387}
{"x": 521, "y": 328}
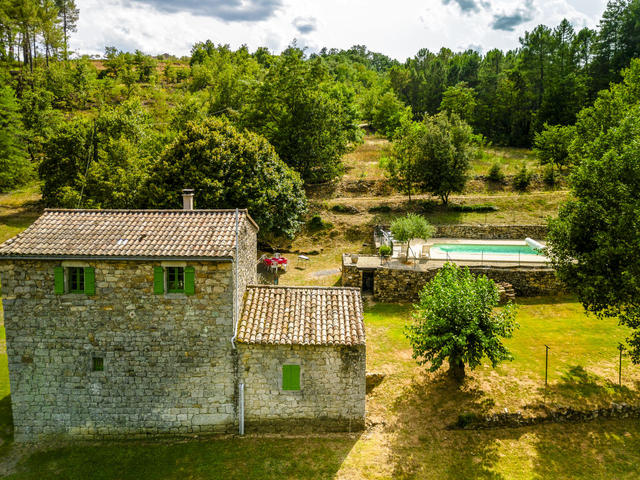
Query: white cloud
{"x": 400, "y": 30}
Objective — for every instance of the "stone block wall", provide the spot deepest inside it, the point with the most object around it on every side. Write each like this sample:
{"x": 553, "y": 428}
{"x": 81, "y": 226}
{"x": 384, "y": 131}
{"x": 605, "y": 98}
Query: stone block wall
{"x": 492, "y": 232}
{"x": 247, "y": 258}
{"x": 332, "y": 381}
{"x": 404, "y": 285}
{"x": 168, "y": 362}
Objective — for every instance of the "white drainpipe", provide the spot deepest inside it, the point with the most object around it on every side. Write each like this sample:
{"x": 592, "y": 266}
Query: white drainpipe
{"x": 235, "y": 290}
{"x": 241, "y": 408}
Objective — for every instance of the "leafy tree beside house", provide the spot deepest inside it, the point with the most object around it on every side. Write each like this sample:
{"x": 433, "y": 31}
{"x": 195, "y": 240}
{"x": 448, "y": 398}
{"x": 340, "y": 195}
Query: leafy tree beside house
{"x": 411, "y": 227}
{"x": 593, "y": 244}
{"x": 456, "y": 320}
{"x": 229, "y": 168}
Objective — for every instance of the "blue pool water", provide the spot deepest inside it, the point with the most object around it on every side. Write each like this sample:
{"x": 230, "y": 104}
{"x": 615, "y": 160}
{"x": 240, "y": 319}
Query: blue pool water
{"x": 487, "y": 249}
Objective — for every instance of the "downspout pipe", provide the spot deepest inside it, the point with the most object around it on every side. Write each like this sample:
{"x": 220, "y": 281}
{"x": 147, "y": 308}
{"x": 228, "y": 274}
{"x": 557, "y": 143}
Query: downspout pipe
{"x": 235, "y": 290}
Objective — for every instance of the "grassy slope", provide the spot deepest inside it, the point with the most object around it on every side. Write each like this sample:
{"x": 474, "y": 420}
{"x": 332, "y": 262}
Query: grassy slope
{"x": 408, "y": 412}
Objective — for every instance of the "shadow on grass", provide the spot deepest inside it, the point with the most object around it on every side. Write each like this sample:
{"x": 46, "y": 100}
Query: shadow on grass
{"x": 588, "y": 389}
{"x": 424, "y": 447}
{"x": 215, "y": 458}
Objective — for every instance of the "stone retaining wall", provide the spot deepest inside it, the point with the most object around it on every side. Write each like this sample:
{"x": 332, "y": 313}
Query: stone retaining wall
{"x": 492, "y": 232}
{"x": 332, "y": 387}
{"x": 404, "y": 285}
{"x": 561, "y": 415}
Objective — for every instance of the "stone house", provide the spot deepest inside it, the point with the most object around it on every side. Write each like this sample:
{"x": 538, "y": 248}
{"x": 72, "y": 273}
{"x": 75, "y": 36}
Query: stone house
{"x": 127, "y": 323}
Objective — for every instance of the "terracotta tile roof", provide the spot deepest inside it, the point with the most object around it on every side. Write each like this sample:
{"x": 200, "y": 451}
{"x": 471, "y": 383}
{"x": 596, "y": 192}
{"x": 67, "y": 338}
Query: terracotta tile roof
{"x": 302, "y": 316}
{"x": 128, "y": 233}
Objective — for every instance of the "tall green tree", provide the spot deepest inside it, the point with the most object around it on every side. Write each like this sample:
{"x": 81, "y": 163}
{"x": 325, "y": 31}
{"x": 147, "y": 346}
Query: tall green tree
{"x": 69, "y": 15}
{"x": 456, "y": 320}
{"x": 593, "y": 242}
{"x": 432, "y": 155}
{"x": 15, "y": 168}
{"x": 459, "y": 99}
{"x": 309, "y": 119}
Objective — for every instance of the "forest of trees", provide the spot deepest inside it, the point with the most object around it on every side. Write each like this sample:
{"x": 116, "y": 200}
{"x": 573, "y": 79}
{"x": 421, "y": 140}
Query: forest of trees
{"x": 95, "y": 131}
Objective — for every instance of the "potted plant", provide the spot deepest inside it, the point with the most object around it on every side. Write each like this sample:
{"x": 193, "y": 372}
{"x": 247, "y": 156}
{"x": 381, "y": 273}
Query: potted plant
{"x": 385, "y": 251}
{"x": 354, "y": 258}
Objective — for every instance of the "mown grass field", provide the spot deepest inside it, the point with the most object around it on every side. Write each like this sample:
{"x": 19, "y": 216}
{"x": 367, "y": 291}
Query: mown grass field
{"x": 407, "y": 415}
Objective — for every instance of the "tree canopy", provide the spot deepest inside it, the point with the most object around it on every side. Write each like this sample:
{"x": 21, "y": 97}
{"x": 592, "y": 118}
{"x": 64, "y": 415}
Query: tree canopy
{"x": 229, "y": 168}
{"x": 593, "y": 242}
{"x": 411, "y": 227}
{"x": 456, "y": 320}
{"x": 432, "y": 156}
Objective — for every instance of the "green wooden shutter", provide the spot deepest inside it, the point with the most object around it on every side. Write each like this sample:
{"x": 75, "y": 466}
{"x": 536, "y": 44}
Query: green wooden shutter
{"x": 291, "y": 377}
{"x": 158, "y": 280}
{"x": 189, "y": 281}
{"x": 89, "y": 281}
{"x": 58, "y": 275}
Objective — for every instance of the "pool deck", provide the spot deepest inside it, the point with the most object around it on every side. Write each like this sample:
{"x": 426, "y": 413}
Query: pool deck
{"x": 370, "y": 262}
{"x": 462, "y": 258}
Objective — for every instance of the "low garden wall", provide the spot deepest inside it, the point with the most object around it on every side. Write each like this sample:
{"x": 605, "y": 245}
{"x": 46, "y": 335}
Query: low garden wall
{"x": 517, "y": 419}
{"x": 404, "y": 285}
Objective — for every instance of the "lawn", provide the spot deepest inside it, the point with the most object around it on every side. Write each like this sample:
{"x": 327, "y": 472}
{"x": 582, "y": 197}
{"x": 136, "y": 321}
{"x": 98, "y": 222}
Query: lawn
{"x": 18, "y": 210}
{"x": 407, "y": 417}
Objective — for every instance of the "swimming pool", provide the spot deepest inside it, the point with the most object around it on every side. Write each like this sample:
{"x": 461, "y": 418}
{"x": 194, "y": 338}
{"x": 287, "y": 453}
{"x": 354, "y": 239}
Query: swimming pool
{"x": 483, "y": 248}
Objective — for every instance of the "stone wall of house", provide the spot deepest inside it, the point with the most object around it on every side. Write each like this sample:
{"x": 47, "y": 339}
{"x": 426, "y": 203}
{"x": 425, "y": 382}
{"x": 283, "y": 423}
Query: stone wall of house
{"x": 168, "y": 362}
{"x": 492, "y": 232}
{"x": 332, "y": 393}
{"x": 404, "y": 285}
{"x": 247, "y": 259}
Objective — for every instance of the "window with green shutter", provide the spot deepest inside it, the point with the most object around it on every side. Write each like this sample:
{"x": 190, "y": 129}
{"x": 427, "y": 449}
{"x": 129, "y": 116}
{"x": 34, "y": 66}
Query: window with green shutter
{"x": 76, "y": 279}
{"x": 58, "y": 274}
{"x": 175, "y": 279}
{"x": 189, "y": 280}
{"x": 158, "y": 280}
{"x": 89, "y": 281}
{"x": 291, "y": 377}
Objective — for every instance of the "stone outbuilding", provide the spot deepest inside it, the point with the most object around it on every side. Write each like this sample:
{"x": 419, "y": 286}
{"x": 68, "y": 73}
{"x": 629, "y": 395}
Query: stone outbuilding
{"x": 124, "y": 323}
{"x": 302, "y": 352}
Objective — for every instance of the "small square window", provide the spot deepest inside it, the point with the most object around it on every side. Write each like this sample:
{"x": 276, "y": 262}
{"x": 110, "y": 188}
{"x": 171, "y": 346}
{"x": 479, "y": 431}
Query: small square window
{"x": 76, "y": 279}
{"x": 175, "y": 279}
{"x": 97, "y": 364}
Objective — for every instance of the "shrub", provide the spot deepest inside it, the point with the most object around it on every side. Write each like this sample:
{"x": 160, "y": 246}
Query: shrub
{"x": 380, "y": 209}
{"x": 480, "y": 208}
{"x": 385, "y": 251}
{"x": 340, "y": 208}
{"x": 316, "y": 223}
{"x": 522, "y": 179}
{"x": 495, "y": 174}
{"x": 466, "y": 418}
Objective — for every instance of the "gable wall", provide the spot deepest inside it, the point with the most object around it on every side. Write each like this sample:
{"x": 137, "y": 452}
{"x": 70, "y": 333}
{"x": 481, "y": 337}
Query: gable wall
{"x": 168, "y": 361}
{"x": 332, "y": 393}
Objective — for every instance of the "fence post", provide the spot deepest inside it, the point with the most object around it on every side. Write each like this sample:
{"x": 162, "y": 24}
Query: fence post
{"x": 620, "y": 347}
{"x": 546, "y": 365}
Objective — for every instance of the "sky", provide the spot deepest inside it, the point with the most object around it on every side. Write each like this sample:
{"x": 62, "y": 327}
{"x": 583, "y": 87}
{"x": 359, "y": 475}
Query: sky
{"x": 398, "y": 28}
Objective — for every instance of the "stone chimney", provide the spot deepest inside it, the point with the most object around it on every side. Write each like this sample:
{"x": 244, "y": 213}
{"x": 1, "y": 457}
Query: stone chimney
{"x": 187, "y": 199}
